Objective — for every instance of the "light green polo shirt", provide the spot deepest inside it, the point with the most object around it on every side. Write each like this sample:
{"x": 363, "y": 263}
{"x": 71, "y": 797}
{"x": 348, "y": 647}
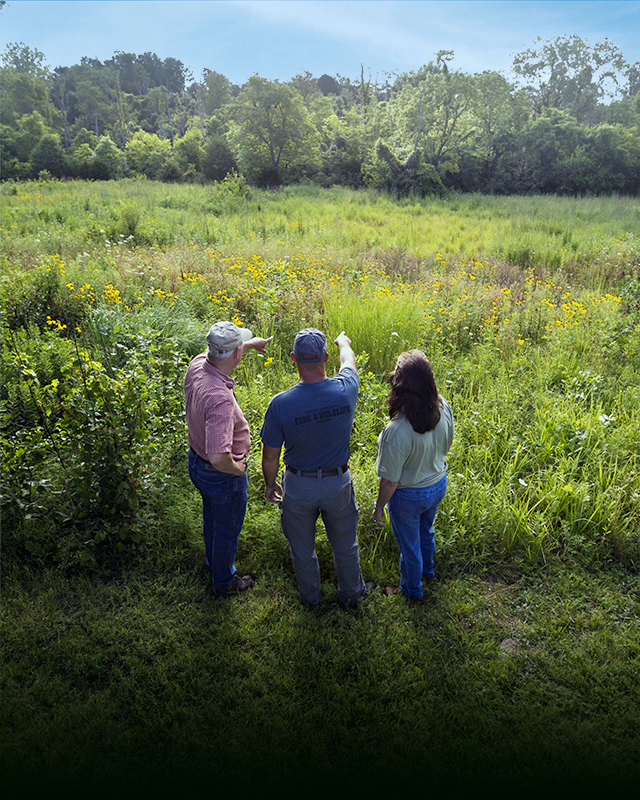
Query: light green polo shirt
{"x": 413, "y": 459}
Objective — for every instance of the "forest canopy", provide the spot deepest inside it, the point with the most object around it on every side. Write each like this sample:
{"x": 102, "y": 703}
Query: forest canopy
{"x": 565, "y": 121}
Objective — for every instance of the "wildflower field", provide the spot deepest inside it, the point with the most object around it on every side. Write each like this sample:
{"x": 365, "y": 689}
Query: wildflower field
{"x": 523, "y": 664}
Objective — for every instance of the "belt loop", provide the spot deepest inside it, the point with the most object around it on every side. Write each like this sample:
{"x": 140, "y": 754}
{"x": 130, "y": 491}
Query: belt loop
{"x": 319, "y": 474}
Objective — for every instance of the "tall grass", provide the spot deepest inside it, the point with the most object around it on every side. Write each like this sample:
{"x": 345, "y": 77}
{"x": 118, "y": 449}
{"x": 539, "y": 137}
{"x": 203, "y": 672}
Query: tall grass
{"x": 563, "y": 236}
{"x": 540, "y": 365}
{"x": 380, "y": 325}
{"x": 120, "y": 672}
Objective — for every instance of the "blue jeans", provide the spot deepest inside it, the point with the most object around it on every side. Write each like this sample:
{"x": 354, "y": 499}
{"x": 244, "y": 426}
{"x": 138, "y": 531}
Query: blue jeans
{"x": 412, "y": 512}
{"x": 224, "y": 505}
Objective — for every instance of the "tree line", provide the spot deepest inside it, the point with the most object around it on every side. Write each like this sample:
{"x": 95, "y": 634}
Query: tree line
{"x": 566, "y": 122}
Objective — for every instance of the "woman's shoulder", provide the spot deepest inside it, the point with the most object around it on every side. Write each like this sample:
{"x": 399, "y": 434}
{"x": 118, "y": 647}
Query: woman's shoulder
{"x": 398, "y": 426}
{"x": 446, "y": 417}
{"x": 446, "y": 406}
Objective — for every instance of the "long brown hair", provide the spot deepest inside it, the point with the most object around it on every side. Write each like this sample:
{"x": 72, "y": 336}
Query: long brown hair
{"x": 414, "y": 392}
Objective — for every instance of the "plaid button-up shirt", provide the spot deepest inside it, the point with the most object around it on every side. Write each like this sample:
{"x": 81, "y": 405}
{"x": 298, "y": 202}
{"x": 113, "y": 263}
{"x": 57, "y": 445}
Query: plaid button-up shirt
{"x": 215, "y": 421}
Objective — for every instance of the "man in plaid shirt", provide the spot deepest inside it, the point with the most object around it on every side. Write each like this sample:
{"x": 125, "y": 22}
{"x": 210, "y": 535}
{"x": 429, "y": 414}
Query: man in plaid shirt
{"x": 218, "y": 446}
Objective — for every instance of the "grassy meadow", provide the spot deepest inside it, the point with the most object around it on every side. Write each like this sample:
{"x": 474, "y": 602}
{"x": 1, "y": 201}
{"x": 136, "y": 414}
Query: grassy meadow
{"x": 523, "y": 664}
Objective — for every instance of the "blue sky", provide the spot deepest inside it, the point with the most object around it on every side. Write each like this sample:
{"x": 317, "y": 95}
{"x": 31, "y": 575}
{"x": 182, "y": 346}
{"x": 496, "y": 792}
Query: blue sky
{"x": 279, "y": 38}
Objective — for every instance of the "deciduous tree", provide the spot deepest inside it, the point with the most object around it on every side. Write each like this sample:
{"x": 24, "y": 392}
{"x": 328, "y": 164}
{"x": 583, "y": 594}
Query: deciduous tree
{"x": 216, "y": 91}
{"x": 48, "y": 156}
{"x": 568, "y": 73}
{"x": 271, "y": 132}
{"x": 24, "y": 77}
{"x": 435, "y": 116}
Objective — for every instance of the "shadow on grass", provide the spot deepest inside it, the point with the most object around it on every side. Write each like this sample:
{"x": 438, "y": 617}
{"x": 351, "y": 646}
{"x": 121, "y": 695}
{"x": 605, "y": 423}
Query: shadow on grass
{"x": 150, "y": 684}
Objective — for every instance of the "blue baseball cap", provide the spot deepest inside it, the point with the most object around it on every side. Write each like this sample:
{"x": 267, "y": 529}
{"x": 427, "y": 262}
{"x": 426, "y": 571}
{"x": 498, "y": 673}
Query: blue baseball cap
{"x": 310, "y": 346}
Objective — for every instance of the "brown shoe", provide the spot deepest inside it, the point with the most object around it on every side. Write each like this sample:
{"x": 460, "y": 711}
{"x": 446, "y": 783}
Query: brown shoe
{"x": 394, "y": 591}
{"x": 236, "y": 586}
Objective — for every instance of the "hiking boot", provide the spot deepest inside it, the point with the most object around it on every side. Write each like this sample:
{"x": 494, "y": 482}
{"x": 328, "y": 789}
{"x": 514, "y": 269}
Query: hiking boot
{"x": 236, "y": 586}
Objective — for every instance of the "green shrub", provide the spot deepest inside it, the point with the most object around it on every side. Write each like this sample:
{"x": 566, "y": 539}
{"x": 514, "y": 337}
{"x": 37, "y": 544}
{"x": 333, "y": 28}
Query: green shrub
{"x": 91, "y": 441}
{"x": 39, "y": 297}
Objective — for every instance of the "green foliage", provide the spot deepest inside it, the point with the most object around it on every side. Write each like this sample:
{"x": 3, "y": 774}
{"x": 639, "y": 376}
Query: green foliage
{"x": 569, "y": 124}
{"x": 129, "y": 218}
{"x": 80, "y": 161}
{"x": 101, "y": 434}
{"x": 412, "y": 177}
{"x": 19, "y": 142}
{"x": 48, "y": 156}
{"x": 216, "y": 91}
{"x": 146, "y": 154}
{"x": 34, "y": 298}
{"x": 537, "y": 348}
{"x": 380, "y": 330}
{"x": 272, "y": 133}
{"x": 217, "y": 160}
{"x": 108, "y": 161}
{"x": 24, "y": 77}
{"x": 568, "y": 73}
{"x": 345, "y": 148}
{"x": 229, "y": 195}
{"x": 189, "y": 154}
{"x": 566, "y": 158}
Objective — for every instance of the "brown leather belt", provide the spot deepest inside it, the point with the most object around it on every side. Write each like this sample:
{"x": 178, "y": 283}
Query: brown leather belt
{"x": 326, "y": 473}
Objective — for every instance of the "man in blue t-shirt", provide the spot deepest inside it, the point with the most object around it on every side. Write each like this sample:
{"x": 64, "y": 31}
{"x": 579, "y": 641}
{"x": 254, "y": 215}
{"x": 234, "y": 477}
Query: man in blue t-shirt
{"x": 313, "y": 421}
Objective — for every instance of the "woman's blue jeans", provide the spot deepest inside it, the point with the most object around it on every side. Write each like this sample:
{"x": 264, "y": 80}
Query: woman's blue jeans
{"x": 412, "y": 513}
{"x": 224, "y": 505}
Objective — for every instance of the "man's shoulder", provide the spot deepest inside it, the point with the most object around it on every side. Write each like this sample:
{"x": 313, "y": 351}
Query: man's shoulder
{"x": 207, "y": 380}
{"x": 193, "y": 370}
{"x": 347, "y": 376}
{"x": 283, "y": 400}
{"x": 286, "y": 394}
{"x": 196, "y": 362}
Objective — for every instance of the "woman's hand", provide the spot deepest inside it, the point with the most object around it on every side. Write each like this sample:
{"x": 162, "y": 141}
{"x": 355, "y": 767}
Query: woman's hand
{"x": 378, "y": 516}
{"x": 385, "y": 493}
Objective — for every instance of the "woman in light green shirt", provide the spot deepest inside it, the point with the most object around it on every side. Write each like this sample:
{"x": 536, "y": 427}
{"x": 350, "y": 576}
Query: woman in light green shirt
{"x": 412, "y": 467}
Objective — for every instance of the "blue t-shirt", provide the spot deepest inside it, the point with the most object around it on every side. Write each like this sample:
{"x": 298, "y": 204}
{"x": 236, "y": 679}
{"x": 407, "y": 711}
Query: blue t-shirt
{"x": 313, "y": 421}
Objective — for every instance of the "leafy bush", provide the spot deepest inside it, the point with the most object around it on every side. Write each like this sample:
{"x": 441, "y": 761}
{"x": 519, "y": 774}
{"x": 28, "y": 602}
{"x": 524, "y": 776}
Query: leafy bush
{"x": 48, "y": 156}
{"x": 411, "y": 177}
{"x": 100, "y": 434}
{"x": 229, "y": 195}
{"x": 39, "y": 297}
{"x": 217, "y": 161}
